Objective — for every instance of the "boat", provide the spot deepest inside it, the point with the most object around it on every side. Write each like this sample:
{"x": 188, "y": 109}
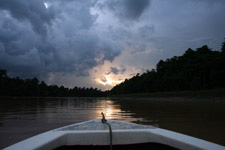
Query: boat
{"x": 110, "y": 134}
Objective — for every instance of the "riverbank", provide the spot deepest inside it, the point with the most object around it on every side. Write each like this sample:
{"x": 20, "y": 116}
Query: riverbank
{"x": 202, "y": 94}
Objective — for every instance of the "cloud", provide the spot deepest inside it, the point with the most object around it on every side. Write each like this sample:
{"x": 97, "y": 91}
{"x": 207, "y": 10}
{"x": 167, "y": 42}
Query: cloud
{"x": 146, "y": 31}
{"x": 104, "y": 79}
{"x": 116, "y": 70}
{"x": 32, "y": 11}
{"x": 68, "y": 43}
{"x": 126, "y": 9}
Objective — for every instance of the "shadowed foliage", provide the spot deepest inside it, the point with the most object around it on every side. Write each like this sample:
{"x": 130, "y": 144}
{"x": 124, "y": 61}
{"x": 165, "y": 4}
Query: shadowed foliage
{"x": 200, "y": 69}
{"x": 32, "y": 87}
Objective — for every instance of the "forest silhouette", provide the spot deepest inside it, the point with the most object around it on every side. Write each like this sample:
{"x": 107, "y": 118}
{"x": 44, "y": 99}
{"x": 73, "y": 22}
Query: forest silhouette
{"x": 34, "y": 88}
{"x": 200, "y": 69}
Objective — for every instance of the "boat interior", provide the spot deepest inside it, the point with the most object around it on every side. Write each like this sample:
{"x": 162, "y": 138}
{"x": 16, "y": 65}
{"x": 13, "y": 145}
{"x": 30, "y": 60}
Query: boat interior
{"x": 141, "y": 146}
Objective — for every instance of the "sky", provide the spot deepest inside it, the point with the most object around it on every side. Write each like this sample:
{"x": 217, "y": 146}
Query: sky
{"x": 100, "y": 43}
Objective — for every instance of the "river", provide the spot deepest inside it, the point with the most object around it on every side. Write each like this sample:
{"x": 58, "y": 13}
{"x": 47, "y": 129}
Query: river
{"x": 21, "y": 118}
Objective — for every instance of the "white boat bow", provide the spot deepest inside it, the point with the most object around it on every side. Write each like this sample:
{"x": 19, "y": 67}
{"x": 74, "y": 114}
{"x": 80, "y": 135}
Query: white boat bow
{"x": 94, "y": 132}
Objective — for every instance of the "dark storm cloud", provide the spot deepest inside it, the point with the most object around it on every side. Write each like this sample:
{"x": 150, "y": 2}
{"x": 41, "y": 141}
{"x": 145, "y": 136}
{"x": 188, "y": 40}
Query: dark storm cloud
{"x": 67, "y": 43}
{"x": 146, "y": 31}
{"x": 33, "y": 11}
{"x": 115, "y": 70}
{"x": 127, "y": 9}
{"x": 74, "y": 36}
{"x": 16, "y": 38}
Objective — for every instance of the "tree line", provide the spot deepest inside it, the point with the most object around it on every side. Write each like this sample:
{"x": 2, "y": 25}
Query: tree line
{"x": 35, "y": 88}
{"x": 199, "y": 69}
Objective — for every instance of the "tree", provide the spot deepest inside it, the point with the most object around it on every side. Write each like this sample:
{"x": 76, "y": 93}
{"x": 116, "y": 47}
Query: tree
{"x": 189, "y": 52}
{"x": 32, "y": 87}
{"x": 3, "y": 73}
{"x": 198, "y": 69}
{"x": 223, "y": 47}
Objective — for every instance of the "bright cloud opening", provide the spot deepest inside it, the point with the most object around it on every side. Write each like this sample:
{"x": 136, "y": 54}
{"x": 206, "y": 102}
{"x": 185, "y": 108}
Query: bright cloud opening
{"x": 47, "y": 5}
{"x": 108, "y": 81}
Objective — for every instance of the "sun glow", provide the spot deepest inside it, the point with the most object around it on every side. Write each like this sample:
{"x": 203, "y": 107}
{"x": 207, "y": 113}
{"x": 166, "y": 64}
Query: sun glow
{"x": 108, "y": 81}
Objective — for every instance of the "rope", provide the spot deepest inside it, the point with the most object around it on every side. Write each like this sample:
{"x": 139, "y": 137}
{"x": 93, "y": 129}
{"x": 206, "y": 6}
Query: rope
{"x": 110, "y": 129}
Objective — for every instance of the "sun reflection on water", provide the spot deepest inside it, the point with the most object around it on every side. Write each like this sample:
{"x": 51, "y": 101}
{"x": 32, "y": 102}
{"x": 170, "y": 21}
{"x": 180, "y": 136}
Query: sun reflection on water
{"x": 110, "y": 110}
{"x": 113, "y": 111}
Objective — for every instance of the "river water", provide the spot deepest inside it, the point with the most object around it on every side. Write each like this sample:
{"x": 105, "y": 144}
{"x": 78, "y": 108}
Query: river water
{"x": 21, "y": 118}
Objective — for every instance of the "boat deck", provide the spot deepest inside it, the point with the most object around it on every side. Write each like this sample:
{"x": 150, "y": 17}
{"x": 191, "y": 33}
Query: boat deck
{"x": 94, "y": 135}
{"x": 98, "y": 125}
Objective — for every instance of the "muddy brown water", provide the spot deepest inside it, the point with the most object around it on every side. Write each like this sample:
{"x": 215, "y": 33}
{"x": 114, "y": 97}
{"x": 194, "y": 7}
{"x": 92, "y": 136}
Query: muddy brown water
{"x": 21, "y": 118}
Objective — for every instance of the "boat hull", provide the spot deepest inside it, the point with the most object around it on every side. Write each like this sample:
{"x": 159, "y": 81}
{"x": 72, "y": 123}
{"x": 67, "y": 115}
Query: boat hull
{"x": 95, "y": 133}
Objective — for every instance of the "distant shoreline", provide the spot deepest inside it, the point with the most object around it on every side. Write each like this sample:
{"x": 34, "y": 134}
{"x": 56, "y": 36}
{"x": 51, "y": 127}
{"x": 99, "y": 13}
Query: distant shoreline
{"x": 202, "y": 94}
{"x": 45, "y": 97}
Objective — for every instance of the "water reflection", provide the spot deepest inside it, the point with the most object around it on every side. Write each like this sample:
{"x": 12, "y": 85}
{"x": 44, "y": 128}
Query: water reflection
{"x": 21, "y": 118}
